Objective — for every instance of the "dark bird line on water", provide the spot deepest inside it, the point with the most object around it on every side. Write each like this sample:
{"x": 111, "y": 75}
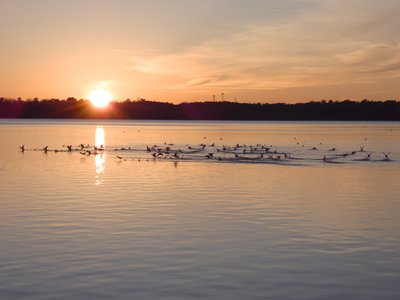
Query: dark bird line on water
{"x": 259, "y": 153}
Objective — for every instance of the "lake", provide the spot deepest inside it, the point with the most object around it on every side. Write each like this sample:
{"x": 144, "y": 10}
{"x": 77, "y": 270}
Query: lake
{"x": 199, "y": 210}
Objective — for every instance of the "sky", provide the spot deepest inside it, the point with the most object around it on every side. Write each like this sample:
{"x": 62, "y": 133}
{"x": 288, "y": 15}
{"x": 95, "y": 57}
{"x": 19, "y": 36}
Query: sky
{"x": 190, "y": 50}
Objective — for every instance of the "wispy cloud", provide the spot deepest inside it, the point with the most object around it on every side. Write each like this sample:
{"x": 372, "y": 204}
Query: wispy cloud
{"x": 323, "y": 46}
{"x": 370, "y": 58}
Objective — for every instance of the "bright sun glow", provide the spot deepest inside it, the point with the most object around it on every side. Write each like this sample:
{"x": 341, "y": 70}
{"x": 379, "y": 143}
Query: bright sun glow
{"x": 100, "y": 98}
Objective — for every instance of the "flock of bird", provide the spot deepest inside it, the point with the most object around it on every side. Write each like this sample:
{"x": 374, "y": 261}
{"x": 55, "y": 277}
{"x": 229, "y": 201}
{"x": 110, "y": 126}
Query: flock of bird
{"x": 82, "y": 149}
{"x": 260, "y": 153}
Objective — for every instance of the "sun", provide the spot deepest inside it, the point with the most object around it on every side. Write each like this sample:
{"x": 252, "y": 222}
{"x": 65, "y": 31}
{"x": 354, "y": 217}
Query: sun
{"x": 100, "y": 98}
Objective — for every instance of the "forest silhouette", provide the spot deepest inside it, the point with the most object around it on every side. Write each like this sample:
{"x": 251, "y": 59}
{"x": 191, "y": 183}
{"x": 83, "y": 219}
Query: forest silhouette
{"x": 72, "y": 108}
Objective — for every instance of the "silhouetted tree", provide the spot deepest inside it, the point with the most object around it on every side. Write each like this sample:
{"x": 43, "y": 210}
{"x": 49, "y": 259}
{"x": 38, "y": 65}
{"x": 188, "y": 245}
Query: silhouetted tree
{"x": 209, "y": 110}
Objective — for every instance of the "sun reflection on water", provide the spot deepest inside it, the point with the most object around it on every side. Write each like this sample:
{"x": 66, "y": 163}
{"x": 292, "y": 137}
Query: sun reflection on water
{"x": 100, "y": 156}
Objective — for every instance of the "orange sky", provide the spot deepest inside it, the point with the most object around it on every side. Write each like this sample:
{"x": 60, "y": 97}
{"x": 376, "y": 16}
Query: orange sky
{"x": 288, "y": 50}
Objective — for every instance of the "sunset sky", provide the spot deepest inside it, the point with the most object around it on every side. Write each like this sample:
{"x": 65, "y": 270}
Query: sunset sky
{"x": 186, "y": 50}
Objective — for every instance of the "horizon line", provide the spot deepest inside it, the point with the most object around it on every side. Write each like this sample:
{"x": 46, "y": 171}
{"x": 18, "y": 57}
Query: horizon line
{"x": 138, "y": 99}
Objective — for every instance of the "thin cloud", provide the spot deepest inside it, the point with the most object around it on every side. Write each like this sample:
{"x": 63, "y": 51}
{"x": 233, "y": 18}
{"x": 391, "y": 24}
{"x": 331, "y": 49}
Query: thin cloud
{"x": 318, "y": 48}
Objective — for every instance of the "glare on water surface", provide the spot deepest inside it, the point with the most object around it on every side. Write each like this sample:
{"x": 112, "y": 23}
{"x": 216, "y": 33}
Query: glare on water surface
{"x": 100, "y": 156}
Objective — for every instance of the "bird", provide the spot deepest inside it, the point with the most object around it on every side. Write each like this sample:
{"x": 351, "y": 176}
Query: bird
{"x": 119, "y": 157}
{"x": 22, "y": 148}
{"x": 87, "y": 152}
{"x": 368, "y": 156}
{"x": 386, "y": 156}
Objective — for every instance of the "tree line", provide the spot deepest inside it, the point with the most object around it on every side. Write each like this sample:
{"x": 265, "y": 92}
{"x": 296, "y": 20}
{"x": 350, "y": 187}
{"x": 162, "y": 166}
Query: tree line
{"x": 71, "y": 108}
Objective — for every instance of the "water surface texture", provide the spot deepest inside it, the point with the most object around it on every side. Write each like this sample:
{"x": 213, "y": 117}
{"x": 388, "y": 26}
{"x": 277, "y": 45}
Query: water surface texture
{"x": 119, "y": 223}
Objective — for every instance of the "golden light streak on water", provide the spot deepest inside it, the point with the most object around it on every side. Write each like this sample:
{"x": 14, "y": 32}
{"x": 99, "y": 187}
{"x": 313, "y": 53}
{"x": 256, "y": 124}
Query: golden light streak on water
{"x": 100, "y": 157}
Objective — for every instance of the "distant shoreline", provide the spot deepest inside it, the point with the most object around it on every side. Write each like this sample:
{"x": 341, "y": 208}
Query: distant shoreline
{"x": 72, "y": 108}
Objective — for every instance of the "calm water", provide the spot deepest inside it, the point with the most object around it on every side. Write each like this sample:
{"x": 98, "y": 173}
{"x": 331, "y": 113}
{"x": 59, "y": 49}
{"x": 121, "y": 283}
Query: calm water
{"x": 76, "y": 226}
